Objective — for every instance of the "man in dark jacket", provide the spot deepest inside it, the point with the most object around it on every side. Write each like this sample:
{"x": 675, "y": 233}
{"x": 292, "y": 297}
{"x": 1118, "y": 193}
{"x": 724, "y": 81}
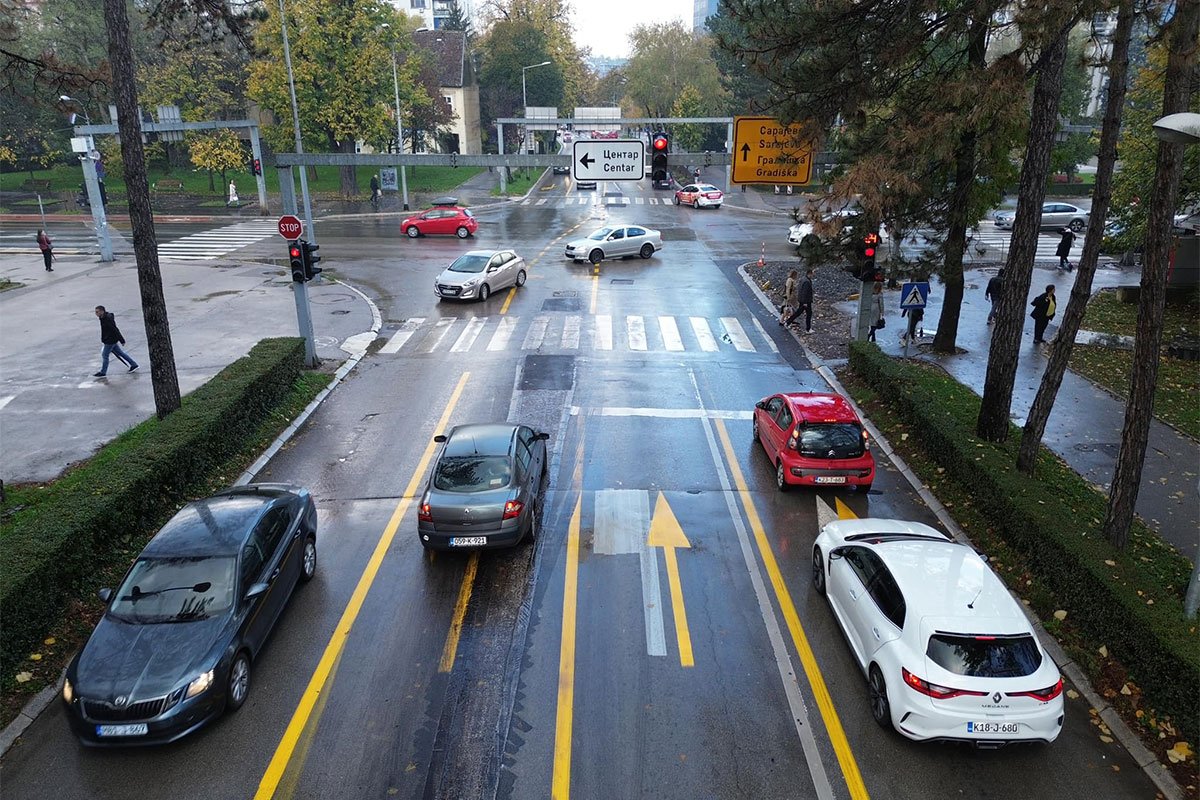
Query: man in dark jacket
{"x": 111, "y": 338}
{"x": 1064, "y": 249}
{"x": 1044, "y": 308}
{"x": 992, "y": 293}
{"x": 804, "y": 301}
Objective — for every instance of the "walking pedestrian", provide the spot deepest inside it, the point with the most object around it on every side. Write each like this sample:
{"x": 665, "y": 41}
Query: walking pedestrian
{"x": 1064, "y": 249}
{"x": 789, "y": 296}
{"x": 915, "y": 328}
{"x": 804, "y": 302}
{"x": 233, "y": 196}
{"x": 111, "y": 338}
{"x": 877, "y": 311}
{"x": 1044, "y": 308}
{"x": 992, "y": 294}
{"x": 47, "y": 248}
{"x": 375, "y": 190}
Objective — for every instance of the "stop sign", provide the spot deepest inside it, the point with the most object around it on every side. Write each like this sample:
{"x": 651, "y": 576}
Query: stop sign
{"x": 290, "y": 226}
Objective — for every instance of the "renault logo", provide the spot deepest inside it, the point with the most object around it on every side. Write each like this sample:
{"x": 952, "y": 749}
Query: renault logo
{"x": 121, "y": 701}
{"x": 997, "y": 697}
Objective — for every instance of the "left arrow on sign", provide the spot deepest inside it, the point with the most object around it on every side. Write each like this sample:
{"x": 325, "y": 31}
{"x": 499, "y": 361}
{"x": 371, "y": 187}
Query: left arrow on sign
{"x": 587, "y": 159}
{"x": 666, "y": 532}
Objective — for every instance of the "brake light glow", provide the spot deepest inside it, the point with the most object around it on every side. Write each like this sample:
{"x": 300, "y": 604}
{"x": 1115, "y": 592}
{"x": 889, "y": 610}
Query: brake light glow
{"x": 423, "y": 512}
{"x": 1045, "y": 695}
{"x": 794, "y": 439}
{"x": 513, "y": 508}
{"x": 934, "y": 690}
{"x": 866, "y": 440}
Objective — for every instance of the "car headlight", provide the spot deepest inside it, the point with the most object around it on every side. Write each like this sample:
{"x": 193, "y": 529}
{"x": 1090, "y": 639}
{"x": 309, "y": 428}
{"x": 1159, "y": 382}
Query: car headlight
{"x": 68, "y": 691}
{"x": 200, "y": 684}
{"x": 471, "y": 283}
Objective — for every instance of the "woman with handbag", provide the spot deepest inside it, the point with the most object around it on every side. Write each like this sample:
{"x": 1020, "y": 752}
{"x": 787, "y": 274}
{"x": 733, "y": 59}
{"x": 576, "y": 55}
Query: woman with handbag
{"x": 876, "y": 311}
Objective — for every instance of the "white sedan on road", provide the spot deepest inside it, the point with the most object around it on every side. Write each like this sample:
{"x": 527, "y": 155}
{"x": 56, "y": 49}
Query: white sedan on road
{"x": 948, "y": 654}
{"x": 1054, "y": 215}
{"x": 615, "y": 242}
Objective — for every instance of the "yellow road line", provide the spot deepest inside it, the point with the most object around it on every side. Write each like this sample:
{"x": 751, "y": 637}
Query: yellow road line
{"x": 508, "y": 300}
{"x": 837, "y": 736}
{"x": 316, "y": 684}
{"x": 843, "y": 510}
{"x": 681, "y": 624}
{"x": 564, "y": 716}
{"x": 460, "y": 611}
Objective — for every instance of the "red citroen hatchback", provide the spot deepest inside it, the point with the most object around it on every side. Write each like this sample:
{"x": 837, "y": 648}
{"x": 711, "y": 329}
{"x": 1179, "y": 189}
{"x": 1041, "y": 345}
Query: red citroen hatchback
{"x": 814, "y": 440}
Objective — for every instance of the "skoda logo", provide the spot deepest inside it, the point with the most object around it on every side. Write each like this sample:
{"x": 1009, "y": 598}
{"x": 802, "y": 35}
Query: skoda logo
{"x": 997, "y": 697}
{"x": 121, "y": 700}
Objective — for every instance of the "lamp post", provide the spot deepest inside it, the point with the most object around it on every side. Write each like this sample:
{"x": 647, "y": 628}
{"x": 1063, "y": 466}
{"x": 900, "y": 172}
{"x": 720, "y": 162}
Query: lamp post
{"x": 399, "y": 132}
{"x": 287, "y": 58}
{"x": 524, "y": 101}
{"x": 91, "y": 183}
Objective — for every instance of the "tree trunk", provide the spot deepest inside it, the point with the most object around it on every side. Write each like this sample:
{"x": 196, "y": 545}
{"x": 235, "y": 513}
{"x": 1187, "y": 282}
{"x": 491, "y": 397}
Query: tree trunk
{"x": 145, "y": 244}
{"x": 1081, "y": 292}
{"x": 1183, "y": 30}
{"x": 212, "y": 187}
{"x": 993, "y": 422}
{"x": 349, "y": 174}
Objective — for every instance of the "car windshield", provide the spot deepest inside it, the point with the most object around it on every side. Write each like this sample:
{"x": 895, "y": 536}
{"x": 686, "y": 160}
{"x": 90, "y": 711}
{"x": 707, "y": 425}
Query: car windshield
{"x": 708, "y": 187}
{"x": 473, "y": 473}
{"x": 836, "y": 440}
{"x": 600, "y": 234}
{"x": 176, "y": 589}
{"x": 985, "y": 656}
{"x": 470, "y": 263}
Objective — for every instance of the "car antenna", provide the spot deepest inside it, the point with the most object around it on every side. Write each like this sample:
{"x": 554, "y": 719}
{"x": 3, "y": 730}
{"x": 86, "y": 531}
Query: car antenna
{"x": 971, "y": 605}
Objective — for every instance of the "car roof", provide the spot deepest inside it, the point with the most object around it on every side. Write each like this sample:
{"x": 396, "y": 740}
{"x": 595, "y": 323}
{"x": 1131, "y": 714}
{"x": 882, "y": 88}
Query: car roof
{"x": 488, "y": 253}
{"x": 821, "y": 407}
{"x": 214, "y": 526}
{"x": 489, "y": 439}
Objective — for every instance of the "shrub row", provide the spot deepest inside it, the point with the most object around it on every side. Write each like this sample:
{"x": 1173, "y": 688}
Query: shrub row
{"x": 1131, "y": 601}
{"x": 128, "y": 487}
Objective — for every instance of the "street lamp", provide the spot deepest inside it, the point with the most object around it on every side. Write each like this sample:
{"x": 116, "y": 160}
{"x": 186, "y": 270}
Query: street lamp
{"x": 525, "y": 102}
{"x": 68, "y": 99}
{"x": 287, "y": 58}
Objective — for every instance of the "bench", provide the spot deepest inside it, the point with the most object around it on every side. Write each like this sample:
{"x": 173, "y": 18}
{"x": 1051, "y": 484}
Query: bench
{"x": 168, "y": 185}
{"x": 36, "y": 185}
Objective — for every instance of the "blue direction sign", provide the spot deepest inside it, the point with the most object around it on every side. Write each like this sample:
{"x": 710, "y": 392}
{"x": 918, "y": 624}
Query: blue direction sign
{"x": 914, "y": 295}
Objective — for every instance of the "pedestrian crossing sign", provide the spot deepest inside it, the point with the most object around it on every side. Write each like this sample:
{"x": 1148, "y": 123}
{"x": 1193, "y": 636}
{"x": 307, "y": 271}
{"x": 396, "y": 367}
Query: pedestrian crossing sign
{"x": 914, "y": 295}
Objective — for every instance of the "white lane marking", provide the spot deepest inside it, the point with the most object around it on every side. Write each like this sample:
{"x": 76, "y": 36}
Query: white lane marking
{"x": 541, "y": 202}
{"x": 469, "y": 335}
{"x": 6, "y": 400}
{"x": 652, "y": 607}
{"x": 407, "y": 329}
{"x": 670, "y": 333}
{"x": 536, "y": 333}
{"x": 653, "y": 201}
{"x": 603, "y": 332}
{"x": 525, "y": 202}
{"x": 636, "y": 327}
{"x": 737, "y": 335}
{"x": 770, "y": 342}
{"x": 704, "y": 335}
{"x": 503, "y": 334}
{"x": 663, "y": 413}
{"x": 622, "y": 521}
{"x": 639, "y": 200}
{"x": 783, "y": 659}
{"x": 435, "y": 338}
{"x": 570, "y": 335}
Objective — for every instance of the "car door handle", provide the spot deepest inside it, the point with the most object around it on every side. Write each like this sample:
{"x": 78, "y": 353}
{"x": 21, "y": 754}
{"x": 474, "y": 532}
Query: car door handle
{"x": 274, "y": 575}
{"x": 876, "y": 632}
{"x": 853, "y": 595}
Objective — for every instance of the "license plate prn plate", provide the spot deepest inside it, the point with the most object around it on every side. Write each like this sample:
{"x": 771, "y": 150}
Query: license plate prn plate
{"x": 468, "y": 541}
{"x": 135, "y": 729}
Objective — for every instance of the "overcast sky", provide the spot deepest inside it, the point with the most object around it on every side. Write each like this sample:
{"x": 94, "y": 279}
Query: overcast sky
{"x": 604, "y": 25}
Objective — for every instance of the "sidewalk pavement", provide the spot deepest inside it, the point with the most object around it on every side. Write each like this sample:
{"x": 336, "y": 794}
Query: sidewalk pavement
{"x": 54, "y": 413}
{"x": 1085, "y": 425}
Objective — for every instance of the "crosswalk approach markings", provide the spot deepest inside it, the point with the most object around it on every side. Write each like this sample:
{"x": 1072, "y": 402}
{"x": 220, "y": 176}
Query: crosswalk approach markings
{"x": 209, "y": 244}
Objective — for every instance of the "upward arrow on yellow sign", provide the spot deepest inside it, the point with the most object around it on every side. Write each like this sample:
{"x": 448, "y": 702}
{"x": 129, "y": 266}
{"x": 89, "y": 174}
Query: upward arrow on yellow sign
{"x": 667, "y": 533}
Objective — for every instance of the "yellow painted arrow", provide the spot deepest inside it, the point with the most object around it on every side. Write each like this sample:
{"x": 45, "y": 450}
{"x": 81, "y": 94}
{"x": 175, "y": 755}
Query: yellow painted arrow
{"x": 665, "y": 532}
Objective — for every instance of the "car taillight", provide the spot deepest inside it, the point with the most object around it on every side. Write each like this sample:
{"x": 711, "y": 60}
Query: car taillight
{"x": 935, "y": 691}
{"x": 513, "y": 508}
{"x": 1045, "y": 695}
{"x": 866, "y": 440}
{"x": 794, "y": 439}
{"x": 423, "y": 512}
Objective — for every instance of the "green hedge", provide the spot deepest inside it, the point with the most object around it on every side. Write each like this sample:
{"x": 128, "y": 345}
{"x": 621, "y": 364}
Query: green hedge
{"x": 1131, "y": 601}
{"x": 128, "y": 487}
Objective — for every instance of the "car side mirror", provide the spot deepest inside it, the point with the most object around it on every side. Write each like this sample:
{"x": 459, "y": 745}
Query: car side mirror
{"x": 256, "y": 590}
{"x": 542, "y": 436}
{"x": 440, "y": 438}
{"x": 105, "y": 595}
{"x": 834, "y": 555}
{"x": 492, "y": 269}
{"x": 760, "y": 404}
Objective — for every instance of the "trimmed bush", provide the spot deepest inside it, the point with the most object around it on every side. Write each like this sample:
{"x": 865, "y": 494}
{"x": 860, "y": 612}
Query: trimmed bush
{"x": 127, "y": 488}
{"x": 1129, "y": 600}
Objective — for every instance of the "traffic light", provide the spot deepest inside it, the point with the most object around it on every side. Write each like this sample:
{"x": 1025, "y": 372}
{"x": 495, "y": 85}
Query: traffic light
{"x": 658, "y": 158}
{"x": 257, "y": 166}
{"x": 870, "y": 242}
{"x": 296, "y": 260}
{"x": 311, "y": 270}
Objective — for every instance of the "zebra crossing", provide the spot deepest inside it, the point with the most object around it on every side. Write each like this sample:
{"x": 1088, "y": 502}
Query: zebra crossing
{"x": 210, "y": 244}
{"x": 634, "y": 333}
{"x": 594, "y": 198}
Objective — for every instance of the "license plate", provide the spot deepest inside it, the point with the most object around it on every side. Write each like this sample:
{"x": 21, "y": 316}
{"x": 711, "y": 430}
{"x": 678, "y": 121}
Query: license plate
{"x": 468, "y": 541}
{"x": 993, "y": 727}
{"x": 136, "y": 729}
{"x": 830, "y": 479}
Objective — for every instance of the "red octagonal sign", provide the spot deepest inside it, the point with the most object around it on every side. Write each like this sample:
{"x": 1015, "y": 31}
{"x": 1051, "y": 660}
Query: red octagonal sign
{"x": 290, "y": 226}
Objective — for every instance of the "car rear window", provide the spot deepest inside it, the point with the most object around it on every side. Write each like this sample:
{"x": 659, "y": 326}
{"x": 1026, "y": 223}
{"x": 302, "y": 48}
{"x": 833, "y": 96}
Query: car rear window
{"x": 985, "y": 656}
{"x": 472, "y": 473}
{"x": 831, "y": 440}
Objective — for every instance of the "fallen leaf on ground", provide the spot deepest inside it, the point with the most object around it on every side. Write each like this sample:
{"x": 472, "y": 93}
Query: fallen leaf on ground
{"x": 35, "y": 656}
{"x": 23, "y": 677}
{"x": 1110, "y": 562}
{"x": 1125, "y": 690}
{"x": 49, "y": 641}
{"x": 1071, "y": 693}
{"x": 1060, "y": 615}
{"x": 1103, "y": 650}
{"x": 1179, "y": 752}
{"x": 1106, "y": 739}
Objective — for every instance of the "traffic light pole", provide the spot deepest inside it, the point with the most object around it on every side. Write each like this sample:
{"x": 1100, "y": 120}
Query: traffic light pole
{"x": 287, "y": 191}
{"x": 260, "y": 179}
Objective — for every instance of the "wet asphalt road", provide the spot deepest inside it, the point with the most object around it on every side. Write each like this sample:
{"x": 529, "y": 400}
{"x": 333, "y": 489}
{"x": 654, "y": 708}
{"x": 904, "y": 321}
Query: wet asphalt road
{"x": 561, "y": 667}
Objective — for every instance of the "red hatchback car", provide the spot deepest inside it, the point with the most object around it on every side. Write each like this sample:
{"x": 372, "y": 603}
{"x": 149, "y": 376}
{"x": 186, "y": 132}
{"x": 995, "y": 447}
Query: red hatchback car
{"x": 454, "y": 220}
{"x": 814, "y": 440}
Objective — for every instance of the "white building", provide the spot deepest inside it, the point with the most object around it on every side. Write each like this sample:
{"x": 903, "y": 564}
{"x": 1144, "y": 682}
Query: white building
{"x": 434, "y": 13}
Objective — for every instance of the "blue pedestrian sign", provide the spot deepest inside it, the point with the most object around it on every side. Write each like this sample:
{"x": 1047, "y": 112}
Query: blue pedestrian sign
{"x": 914, "y": 295}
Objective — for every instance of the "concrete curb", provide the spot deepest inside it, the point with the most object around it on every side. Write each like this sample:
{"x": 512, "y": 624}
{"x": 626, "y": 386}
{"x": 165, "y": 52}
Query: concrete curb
{"x": 36, "y": 705}
{"x": 1142, "y": 756}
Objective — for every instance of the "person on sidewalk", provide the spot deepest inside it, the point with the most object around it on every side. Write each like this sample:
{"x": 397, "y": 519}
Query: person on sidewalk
{"x": 47, "y": 248}
{"x": 1043, "y": 311}
{"x": 804, "y": 302}
{"x": 876, "y": 311}
{"x": 992, "y": 294}
{"x": 375, "y": 190}
{"x": 789, "y": 296}
{"x": 233, "y": 196}
{"x": 111, "y": 338}
{"x": 1064, "y": 249}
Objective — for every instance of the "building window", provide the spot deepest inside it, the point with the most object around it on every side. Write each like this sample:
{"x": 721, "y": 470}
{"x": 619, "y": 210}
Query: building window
{"x": 416, "y": 4}
{"x": 449, "y": 102}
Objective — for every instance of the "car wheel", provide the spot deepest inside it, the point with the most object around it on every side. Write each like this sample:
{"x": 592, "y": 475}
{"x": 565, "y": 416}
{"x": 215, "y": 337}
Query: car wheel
{"x": 531, "y": 534}
{"x": 237, "y": 689}
{"x": 484, "y": 293}
{"x": 818, "y": 571}
{"x": 412, "y": 232}
{"x": 696, "y": 204}
{"x": 754, "y": 428}
{"x": 881, "y": 709}
{"x": 308, "y": 559}
{"x": 596, "y": 256}
{"x": 520, "y": 277}
{"x": 1077, "y": 225}
{"x": 864, "y": 487}
{"x": 780, "y": 477}
{"x": 462, "y": 232}
{"x": 647, "y": 250}
{"x": 676, "y": 199}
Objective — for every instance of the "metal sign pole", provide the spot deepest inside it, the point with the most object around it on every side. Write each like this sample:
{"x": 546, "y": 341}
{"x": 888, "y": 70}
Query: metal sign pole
{"x": 287, "y": 191}
{"x": 260, "y": 179}
{"x": 500, "y": 151}
{"x": 99, "y": 217}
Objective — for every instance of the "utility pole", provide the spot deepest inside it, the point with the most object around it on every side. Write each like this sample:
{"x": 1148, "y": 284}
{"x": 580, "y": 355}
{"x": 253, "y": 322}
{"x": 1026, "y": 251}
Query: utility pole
{"x": 287, "y": 58}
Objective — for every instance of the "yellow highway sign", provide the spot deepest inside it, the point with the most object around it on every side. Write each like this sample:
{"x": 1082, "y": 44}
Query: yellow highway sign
{"x": 765, "y": 151}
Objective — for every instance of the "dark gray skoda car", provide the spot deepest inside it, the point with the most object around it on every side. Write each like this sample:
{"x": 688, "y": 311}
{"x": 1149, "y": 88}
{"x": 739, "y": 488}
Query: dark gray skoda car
{"x": 486, "y": 487}
{"x": 175, "y": 645}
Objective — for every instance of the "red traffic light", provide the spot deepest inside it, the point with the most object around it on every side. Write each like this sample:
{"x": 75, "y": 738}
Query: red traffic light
{"x": 660, "y": 142}
{"x": 869, "y": 252}
{"x": 294, "y": 251}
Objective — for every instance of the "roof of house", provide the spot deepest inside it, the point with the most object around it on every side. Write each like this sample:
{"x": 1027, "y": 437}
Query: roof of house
{"x": 450, "y": 51}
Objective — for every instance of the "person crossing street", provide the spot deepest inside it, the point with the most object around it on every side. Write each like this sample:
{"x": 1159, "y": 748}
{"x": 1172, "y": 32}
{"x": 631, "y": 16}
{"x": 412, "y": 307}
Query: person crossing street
{"x": 111, "y": 338}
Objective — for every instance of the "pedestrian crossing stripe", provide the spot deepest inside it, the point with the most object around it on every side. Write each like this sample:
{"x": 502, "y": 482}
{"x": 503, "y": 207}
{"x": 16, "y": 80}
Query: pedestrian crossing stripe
{"x": 214, "y": 243}
{"x": 602, "y": 332}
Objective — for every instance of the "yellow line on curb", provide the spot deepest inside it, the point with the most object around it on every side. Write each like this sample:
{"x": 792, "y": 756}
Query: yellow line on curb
{"x": 460, "y": 611}
{"x": 564, "y": 715}
{"x": 833, "y": 725}
{"x": 317, "y": 683}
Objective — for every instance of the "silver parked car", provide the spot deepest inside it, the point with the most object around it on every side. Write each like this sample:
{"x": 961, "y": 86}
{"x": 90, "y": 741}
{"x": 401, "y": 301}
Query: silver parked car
{"x": 478, "y": 273}
{"x": 615, "y": 242}
{"x": 1054, "y": 215}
